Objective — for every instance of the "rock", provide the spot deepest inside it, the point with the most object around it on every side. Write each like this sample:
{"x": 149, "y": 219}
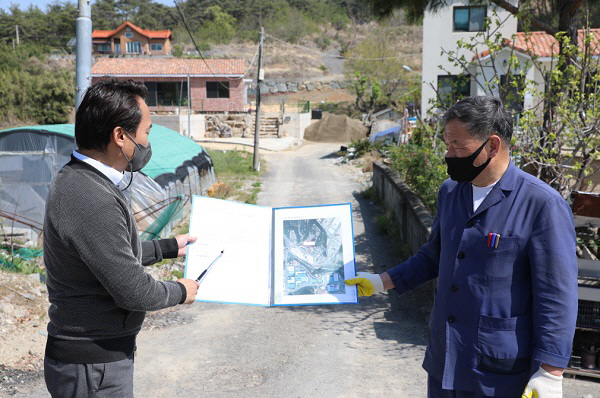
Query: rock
{"x": 301, "y": 87}
{"x": 318, "y": 85}
{"x": 334, "y": 85}
{"x": 264, "y": 89}
{"x": 19, "y": 312}
{"x": 310, "y": 87}
{"x": 282, "y": 88}
{"x": 7, "y": 308}
{"x": 292, "y": 87}
{"x": 273, "y": 90}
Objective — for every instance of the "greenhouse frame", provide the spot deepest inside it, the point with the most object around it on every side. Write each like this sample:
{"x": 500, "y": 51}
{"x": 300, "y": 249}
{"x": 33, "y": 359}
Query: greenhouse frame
{"x": 160, "y": 194}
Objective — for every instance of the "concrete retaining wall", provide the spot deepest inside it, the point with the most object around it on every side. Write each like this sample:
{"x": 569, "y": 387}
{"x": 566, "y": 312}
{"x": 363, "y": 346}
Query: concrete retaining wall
{"x": 413, "y": 218}
{"x": 414, "y": 223}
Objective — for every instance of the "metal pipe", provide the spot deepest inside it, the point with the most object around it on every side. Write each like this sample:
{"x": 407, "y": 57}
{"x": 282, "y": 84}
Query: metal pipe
{"x": 83, "y": 50}
{"x": 189, "y": 104}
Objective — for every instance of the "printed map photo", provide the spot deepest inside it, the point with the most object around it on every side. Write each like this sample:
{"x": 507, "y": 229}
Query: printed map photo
{"x": 313, "y": 258}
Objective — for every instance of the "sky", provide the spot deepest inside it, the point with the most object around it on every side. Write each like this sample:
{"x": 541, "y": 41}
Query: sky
{"x": 24, "y": 4}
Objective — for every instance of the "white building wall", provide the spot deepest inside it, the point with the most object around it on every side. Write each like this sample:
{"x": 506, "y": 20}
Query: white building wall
{"x": 438, "y": 34}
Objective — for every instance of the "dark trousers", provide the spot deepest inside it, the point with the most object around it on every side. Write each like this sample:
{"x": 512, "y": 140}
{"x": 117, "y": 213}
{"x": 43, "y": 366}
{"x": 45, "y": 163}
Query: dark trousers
{"x": 434, "y": 390}
{"x": 97, "y": 380}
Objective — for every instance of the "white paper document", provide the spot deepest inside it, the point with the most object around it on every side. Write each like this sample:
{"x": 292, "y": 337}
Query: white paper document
{"x": 271, "y": 256}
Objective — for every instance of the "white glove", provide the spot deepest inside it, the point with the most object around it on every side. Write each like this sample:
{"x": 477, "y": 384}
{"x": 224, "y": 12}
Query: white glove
{"x": 367, "y": 284}
{"x": 543, "y": 385}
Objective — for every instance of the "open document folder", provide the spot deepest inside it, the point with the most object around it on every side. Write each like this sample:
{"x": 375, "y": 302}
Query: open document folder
{"x": 271, "y": 256}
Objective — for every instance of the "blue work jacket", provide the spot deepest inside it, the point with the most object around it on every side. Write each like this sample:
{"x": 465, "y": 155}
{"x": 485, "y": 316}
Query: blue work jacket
{"x": 500, "y": 309}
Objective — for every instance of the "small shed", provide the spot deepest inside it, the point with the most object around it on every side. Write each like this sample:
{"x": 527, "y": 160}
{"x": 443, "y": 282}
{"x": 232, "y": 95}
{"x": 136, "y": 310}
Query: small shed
{"x": 31, "y": 156}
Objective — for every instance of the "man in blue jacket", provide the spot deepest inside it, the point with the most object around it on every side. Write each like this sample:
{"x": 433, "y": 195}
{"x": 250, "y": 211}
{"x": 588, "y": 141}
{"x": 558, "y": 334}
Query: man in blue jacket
{"x": 502, "y": 246}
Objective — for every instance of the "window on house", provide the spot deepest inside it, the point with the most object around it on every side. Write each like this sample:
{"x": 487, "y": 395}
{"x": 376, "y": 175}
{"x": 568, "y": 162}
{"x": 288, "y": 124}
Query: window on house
{"x": 166, "y": 93}
{"x": 217, "y": 89}
{"x": 129, "y": 35}
{"x": 134, "y": 47}
{"x": 510, "y": 90}
{"x": 469, "y": 19}
{"x": 104, "y": 48}
{"x": 451, "y": 88}
{"x": 156, "y": 46}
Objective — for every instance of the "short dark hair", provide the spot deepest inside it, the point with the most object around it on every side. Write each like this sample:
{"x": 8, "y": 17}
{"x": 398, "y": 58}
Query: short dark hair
{"x": 483, "y": 116}
{"x": 106, "y": 105}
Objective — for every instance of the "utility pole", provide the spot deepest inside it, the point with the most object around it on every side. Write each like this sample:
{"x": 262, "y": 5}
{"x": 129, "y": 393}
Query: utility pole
{"x": 17, "y": 29}
{"x": 83, "y": 50}
{"x": 260, "y": 75}
{"x": 189, "y": 106}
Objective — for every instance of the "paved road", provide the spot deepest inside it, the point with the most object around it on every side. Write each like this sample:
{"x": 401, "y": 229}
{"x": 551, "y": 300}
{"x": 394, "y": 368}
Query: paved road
{"x": 317, "y": 351}
{"x": 373, "y": 349}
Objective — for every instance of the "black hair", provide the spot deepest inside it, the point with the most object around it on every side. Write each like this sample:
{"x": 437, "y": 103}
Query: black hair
{"x": 483, "y": 116}
{"x": 108, "y": 104}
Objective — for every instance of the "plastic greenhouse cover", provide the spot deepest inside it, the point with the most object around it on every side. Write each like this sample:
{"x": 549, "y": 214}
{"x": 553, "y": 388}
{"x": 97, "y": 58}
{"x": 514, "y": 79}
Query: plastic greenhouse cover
{"x": 30, "y": 157}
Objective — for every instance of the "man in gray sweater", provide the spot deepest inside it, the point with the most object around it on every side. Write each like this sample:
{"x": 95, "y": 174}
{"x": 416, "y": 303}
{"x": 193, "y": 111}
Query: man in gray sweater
{"x": 94, "y": 258}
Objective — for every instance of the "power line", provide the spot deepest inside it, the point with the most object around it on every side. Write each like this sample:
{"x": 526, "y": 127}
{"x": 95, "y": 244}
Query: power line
{"x": 200, "y": 52}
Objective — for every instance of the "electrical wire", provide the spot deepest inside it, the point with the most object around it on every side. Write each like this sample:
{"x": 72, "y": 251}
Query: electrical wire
{"x": 187, "y": 28}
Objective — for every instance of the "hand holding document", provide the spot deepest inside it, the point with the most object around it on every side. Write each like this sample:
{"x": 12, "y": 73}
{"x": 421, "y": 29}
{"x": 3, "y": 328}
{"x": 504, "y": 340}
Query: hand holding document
{"x": 263, "y": 256}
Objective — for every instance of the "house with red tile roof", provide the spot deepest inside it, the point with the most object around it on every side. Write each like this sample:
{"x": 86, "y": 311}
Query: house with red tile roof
{"x": 536, "y": 53}
{"x": 131, "y": 39}
{"x": 442, "y": 30}
{"x": 443, "y": 80}
{"x": 211, "y": 85}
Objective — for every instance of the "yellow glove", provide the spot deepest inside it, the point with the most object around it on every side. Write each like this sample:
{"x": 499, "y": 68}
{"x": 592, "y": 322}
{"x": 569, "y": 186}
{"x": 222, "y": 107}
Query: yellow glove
{"x": 543, "y": 385}
{"x": 367, "y": 284}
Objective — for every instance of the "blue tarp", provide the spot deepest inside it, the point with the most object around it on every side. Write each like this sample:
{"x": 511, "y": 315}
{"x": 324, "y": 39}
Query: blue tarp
{"x": 386, "y": 134}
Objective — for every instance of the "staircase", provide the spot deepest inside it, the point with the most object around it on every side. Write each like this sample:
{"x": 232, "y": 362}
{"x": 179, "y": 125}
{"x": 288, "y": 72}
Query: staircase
{"x": 269, "y": 126}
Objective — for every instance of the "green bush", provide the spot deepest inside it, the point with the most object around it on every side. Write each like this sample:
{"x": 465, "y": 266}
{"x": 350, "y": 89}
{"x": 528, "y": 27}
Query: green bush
{"x": 33, "y": 91}
{"x": 323, "y": 42}
{"x": 364, "y": 146}
{"x": 422, "y": 169}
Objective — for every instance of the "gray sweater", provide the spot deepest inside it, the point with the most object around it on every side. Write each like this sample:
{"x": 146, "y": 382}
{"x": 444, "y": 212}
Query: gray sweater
{"x": 94, "y": 260}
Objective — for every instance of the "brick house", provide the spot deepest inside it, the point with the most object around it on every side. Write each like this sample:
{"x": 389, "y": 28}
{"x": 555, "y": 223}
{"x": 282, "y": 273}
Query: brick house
{"x": 130, "y": 39}
{"x": 216, "y": 85}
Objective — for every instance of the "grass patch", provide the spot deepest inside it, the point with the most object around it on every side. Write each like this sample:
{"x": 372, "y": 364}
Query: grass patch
{"x": 178, "y": 274}
{"x": 228, "y": 163}
{"x": 369, "y": 193}
{"x": 387, "y": 224}
{"x": 237, "y": 179}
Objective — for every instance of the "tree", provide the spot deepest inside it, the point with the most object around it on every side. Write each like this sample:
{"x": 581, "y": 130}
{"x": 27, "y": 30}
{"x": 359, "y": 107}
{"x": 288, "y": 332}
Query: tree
{"x": 567, "y": 11}
{"x": 379, "y": 78}
{"x": 562, "y": 146}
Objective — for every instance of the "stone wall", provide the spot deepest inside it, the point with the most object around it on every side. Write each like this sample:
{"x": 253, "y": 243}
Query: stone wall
{"x": 273, "y": 87}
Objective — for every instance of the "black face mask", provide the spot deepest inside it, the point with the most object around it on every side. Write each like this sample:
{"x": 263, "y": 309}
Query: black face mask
{"x": 462, "y": 169}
